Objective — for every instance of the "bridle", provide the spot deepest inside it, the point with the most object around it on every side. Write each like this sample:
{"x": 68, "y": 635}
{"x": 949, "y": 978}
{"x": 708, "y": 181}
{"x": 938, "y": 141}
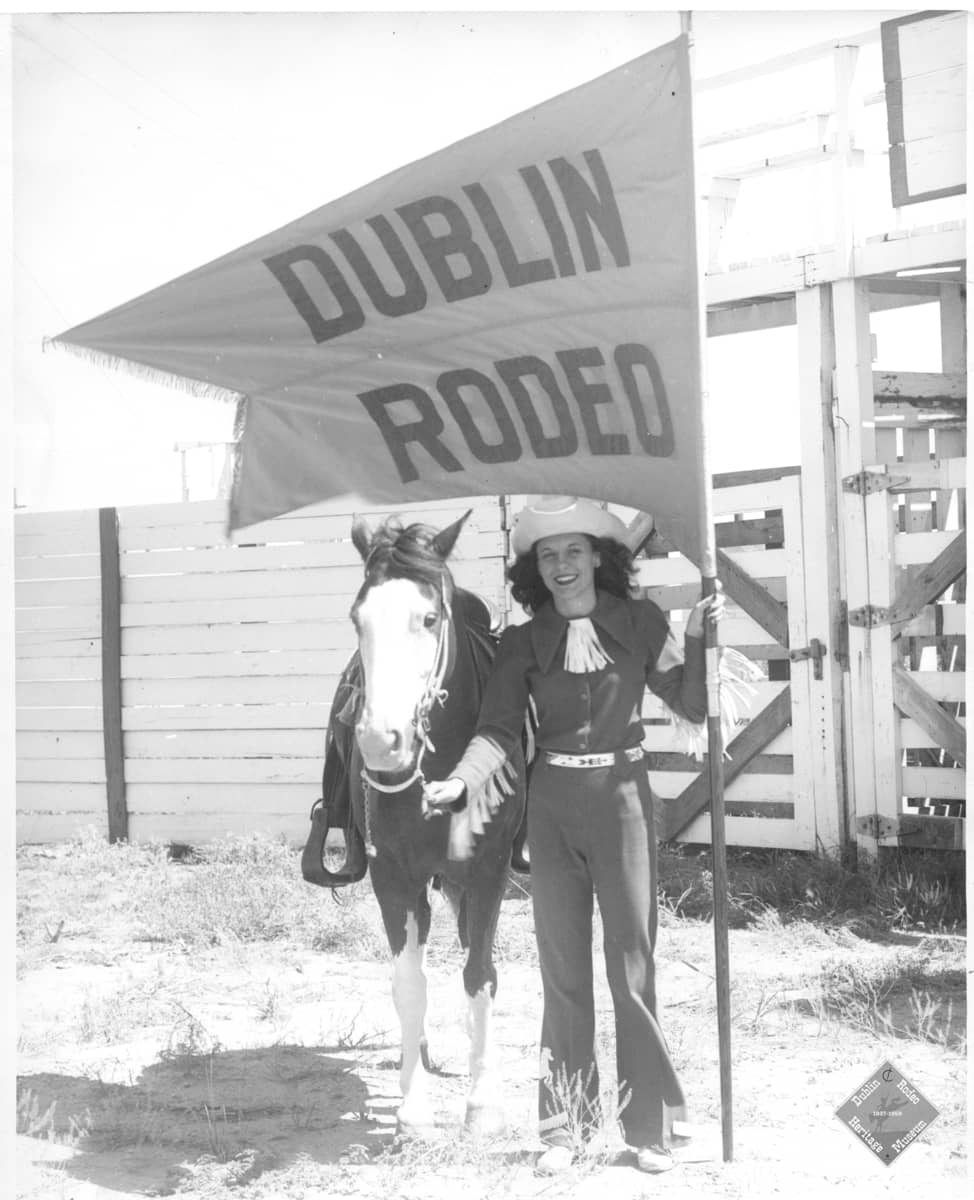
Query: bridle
{"x": 433, "y": 693}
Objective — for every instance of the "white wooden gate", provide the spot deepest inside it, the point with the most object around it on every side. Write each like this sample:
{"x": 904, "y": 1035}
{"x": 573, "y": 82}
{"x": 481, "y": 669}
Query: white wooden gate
{"x": 908, "y": 637}
{"x": 776, "y": 793}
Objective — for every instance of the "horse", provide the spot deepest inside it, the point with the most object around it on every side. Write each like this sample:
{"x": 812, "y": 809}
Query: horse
{"x": 425, "y": 652}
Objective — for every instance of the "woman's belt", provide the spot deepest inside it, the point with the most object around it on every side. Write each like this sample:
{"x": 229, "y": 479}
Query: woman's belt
{"x": 557, "y": 759}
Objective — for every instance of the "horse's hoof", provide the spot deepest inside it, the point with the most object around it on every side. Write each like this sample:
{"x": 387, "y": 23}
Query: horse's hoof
{"x": 416, "y": 1125}
{"x": 485, "y": 1120}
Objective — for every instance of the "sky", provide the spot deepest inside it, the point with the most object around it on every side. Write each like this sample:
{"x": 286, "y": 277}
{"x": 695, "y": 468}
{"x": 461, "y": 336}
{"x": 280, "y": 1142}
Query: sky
{"x": 146, "y": 144}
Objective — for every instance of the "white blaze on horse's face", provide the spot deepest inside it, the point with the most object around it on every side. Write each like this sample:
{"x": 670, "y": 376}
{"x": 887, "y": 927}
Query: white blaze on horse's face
{"x": 398, "y": 625}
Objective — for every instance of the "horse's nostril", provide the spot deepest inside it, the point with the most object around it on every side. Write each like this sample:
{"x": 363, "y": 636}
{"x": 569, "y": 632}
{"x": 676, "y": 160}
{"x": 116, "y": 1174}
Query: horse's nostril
{"x": 395, "y": 740}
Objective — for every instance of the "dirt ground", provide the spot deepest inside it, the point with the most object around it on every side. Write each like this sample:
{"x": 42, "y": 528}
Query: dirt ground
{"x": 263, "y": 1070}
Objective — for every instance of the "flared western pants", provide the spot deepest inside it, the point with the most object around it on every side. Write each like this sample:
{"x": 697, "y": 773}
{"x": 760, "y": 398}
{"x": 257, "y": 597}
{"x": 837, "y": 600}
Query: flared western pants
{"x": 591, "y": 831}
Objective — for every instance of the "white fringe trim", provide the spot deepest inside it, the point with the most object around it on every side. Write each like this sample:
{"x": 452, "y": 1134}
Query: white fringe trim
{"x": 114, "y": 362}
{"x": 737, "y": 678}
{"x": 583, "y": 650}
{"x": 472, "y": 820}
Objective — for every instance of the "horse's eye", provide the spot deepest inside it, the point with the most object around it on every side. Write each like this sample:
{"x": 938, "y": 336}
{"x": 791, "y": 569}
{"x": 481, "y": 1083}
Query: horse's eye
{"x": 429, "y": 621}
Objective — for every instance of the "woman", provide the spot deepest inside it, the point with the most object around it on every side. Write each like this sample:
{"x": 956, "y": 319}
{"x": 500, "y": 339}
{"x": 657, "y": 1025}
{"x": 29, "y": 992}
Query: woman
{"x": 583, "y": 660}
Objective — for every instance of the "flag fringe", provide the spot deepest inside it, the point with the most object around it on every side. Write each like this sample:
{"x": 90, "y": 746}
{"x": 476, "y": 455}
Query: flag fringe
{"x": 195, "y": 387}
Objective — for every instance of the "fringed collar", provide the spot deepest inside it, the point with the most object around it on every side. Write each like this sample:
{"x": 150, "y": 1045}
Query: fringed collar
{"x": 611, "y": 614}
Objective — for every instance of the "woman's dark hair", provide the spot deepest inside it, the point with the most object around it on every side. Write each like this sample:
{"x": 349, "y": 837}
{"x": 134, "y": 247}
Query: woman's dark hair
{"x": 615, "y": 573}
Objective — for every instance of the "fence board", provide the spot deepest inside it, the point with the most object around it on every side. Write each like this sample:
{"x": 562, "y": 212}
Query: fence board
{"x": 61, "y": 770}
{"x": 271, "y": 770}
{"x": 68, "y": 744}
{"x": 40, "y": 644}
{"x": 914, "y": 737}
{"x": 288, "y": 557}
{"x": 243, "y": 585}
{"x": 266, "y": 689}
{"x": 937, "y": 620}
{"x": 57, "y": 694}
{"x": 922, "y": 546}
{"x": 61, "y": 566}
{"x": 942, "y": 783}
{"x": 265, "y": 609}
{"x": 36, "y": 669}
{"x": 82, "y": 620}
{"x": 685, "y": 595}
{"x": 188, "y": 529}
{"x": 62, "y": 797}
{"x": 764, "y": 692}
{"x": 35, "y": 828}
{"x": 51, "y": 719}
{"x": 197, "y": 829}
{"x": 747, "y": 497}
{"x": 223, "y": 798}
{"x": 760, "y": 833}
{"x": 198, "y": 717}
{"x": 667, "y": 572}
{"x": 144, "y": 640}
{"x": 748, "y": 786}
{"x": 941, "y": 685}
{"x": 227, "y": 744}
{"x": 216, "y": 666}
{"x": 64, "y": 520}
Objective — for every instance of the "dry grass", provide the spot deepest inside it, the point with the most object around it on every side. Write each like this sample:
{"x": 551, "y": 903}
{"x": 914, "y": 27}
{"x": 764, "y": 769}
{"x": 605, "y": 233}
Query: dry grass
{"x": 166, "y": 946}
{"x": 902, "y": 890}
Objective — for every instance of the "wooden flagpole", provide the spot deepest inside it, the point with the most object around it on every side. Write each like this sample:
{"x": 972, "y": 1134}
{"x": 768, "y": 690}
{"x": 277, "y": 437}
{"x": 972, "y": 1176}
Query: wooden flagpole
{"x": 715, "y": 750}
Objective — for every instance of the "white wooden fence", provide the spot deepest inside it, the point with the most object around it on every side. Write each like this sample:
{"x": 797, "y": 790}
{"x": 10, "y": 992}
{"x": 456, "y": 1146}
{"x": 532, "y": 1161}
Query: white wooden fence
{"x": 226, "y": 658}
{"x": 174, "y": 684}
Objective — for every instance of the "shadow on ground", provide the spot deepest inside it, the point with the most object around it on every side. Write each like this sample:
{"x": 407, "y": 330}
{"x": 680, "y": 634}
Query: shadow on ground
{"x": 268, "y": 1105}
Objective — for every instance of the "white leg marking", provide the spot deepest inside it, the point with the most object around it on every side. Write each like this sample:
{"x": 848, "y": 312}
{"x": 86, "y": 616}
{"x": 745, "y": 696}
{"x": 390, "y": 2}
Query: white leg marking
{"x": 484, "y": 1110}
{"x": 409, "y": 996}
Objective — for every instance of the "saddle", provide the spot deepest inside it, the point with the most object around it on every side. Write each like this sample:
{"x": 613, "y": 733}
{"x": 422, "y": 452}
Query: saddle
{"x": 333, "y": 809}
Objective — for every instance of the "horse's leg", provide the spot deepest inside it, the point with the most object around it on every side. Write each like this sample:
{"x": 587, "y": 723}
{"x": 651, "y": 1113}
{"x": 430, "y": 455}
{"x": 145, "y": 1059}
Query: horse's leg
{"x": 407, "y": 929}
{"x": 485, "y": 1111}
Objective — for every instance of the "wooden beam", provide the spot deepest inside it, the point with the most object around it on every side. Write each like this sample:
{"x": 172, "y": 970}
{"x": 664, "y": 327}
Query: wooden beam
{"x": 931, "y": 833}
{"x": 761, "y": 764}
{"x": 111, "y": 673}
{"x": 681, "y": 810}
{"x": 756, "y": 531}
{"x": 749, "y": 318}
{"x": 943, "y": 392}
{"x": 724, "y": 479}
{"x": 913, "y": 701}
{"x": 774, "y": 279}
{"x": 755, "y": 599}
{"x": 932, "y": 581}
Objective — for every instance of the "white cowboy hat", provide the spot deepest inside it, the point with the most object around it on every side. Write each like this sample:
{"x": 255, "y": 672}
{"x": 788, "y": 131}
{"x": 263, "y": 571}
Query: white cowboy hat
{"x": 544, "y": 516}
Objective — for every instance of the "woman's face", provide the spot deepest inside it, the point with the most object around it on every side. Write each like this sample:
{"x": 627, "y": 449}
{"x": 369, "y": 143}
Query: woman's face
{"x": 567, "y": 563}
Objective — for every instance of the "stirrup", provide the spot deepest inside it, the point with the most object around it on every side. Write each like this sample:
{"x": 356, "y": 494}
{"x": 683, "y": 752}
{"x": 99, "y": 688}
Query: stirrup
{"x": 313, "y": 868}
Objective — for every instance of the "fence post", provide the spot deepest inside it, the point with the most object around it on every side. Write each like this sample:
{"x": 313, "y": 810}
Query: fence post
{"x": 111, "y": 673}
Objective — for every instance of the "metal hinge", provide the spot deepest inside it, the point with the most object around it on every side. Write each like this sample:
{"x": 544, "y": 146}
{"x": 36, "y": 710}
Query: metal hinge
{"x": 869, "y": 616}
{"x": 816, "y": 651}
{"x": 875, "y": 826}
{"x": 864, "y": 482}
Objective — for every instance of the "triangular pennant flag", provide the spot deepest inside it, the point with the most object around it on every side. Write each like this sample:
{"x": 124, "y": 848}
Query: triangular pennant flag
{"x": 518, "y": 312}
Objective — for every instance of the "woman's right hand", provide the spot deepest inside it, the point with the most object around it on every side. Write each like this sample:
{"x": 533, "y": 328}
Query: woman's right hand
{"x": 442, "y": 795}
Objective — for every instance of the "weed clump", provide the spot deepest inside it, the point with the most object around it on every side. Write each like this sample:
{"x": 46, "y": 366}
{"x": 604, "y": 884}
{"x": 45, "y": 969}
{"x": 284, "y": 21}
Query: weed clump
{"x": 921, "y": 891}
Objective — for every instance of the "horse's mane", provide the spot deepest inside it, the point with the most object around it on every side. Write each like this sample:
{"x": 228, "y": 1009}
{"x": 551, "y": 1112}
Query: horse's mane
{"x": 400, "y": 551}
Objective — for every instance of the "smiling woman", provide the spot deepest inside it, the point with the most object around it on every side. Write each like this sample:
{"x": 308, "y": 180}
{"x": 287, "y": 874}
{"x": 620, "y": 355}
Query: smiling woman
{"x": 582, "y": 663}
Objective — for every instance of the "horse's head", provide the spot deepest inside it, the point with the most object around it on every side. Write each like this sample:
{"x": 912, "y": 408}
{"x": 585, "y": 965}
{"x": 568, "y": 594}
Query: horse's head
{"x": 402, "y": 617}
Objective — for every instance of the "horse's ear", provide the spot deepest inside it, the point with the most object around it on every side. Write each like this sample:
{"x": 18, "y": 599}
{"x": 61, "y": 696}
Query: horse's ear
{"x": 446, "y": 539}
{"x": 361, "y": 536}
